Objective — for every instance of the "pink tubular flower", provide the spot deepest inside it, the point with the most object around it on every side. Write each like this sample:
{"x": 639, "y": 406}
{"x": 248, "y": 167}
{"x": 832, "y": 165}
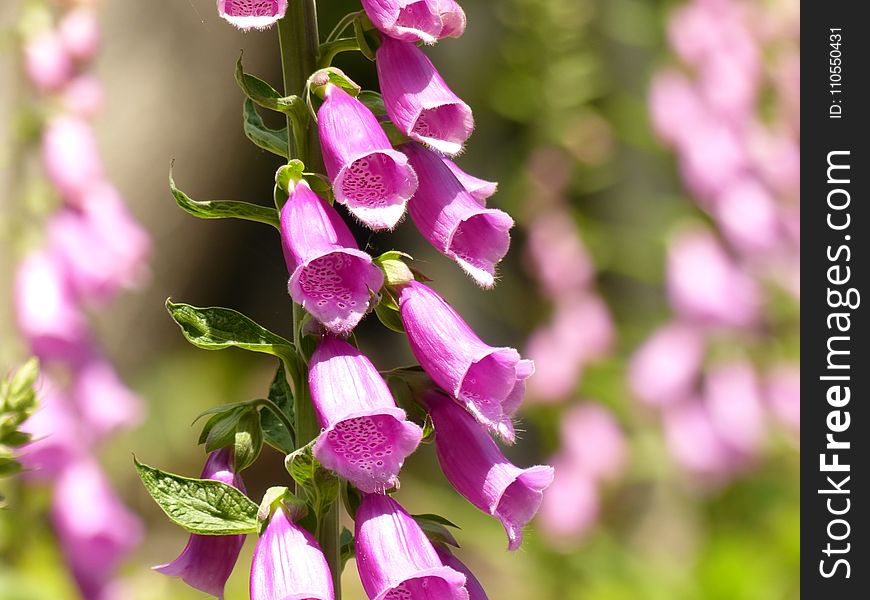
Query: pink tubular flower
{"x": 374, "y": 181}
{"x": 395, "y": 559}
{"x": 480, "y": 189}
{"x": 593, "y": 440}
{"x": 71, "y": 158}
{"x": 95, "y": 530}
{"x": 46, "y": 312}
{"x": 475, "y": 466}
{"x": 102, "y": 247}
{"x": 103, "y": 401}
{"x": 489, "y": 382}
{"x": 571, "y": 505}
{"x": 664, "y": 369}
{"x": 207, "y": 561}
{"x": 418, "y": 101}
{"x": 289, "y": 564}
{"x": 365, "y": 436}
{"x": 329, "y": 276}
{"x": 46, "y": 61}
{"x": 560, "y": 260}
{"x": 252, "y": 14}
{"x": 475, "y": 590}
{"x": 416, "y": 20}
{"x": 706, "y": 286}
{"x": 55, "y": 431}
{"x": 453, "y": 221}
{"x": 79, "y": 32}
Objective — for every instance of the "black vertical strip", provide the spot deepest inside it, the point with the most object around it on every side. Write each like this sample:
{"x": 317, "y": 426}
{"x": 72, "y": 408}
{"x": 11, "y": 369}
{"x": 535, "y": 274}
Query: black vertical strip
{"x": 835, "y": 171}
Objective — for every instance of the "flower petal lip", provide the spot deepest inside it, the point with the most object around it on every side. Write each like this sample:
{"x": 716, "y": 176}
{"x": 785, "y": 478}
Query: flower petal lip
{"x": 406, "y": 20}
{"x": 394, "y": 557}
{"x": 252, "y": 14}
{"x": 487, "y": 381}
{"x": 365, "y": 436}
{"x": 475, "y": 589}
{"x": 476, "y": 467}
{"x": 449, "y": 217}
{"x": 374, "y": 181}
{"x": 418, "y": 100}
{"x": 480, "y": 189}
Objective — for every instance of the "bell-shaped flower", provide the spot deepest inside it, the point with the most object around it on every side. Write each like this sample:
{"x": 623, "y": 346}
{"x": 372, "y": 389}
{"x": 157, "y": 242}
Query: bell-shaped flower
{"x": 396, "y": 560}
{"x": 54, "y": 430}
{"x": 79, "y": 31}
{"x": 489, "y": 382}
{"x": 365, "y": 436}
{"x": 666, "y": 367}
{"x": 102, "y": 247}
{"x": 46, "y": 61}
{"x": 374, "y": 181}
{"x": 71, "y": 157}
{"x": 418, "y": 101}
{"x": 103, "y": 401}
{"x": 329, "y": 276}
{"x": 83, "y": 96}
{"x": 46, "y": 311}
{"x": 289, "y": 564}
{"x": 480, "y": 189}
{"x": 475, "y": 589}
{"x": 477, "y": 238}
{"x": 474, "y": 465}
{"x": 208, "y": 560}
{"x": 416, "y": 20}
{"x": 96, "y": 531}
{"x": 252, "y": 14}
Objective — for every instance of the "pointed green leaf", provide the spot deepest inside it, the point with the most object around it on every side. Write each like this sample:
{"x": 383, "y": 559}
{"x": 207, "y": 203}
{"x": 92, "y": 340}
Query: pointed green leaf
{"x": 223, "y": 209}
{"x": 373, "y": 101}
{"x": 272, "y": 140}
{"x": 320, "y": 485}
{"x": 264, "y": 94}
{"x": 389, "y": 317}
{"x": 201, "y": 506}
{"x": 274, "y": 430}
{"x": 346, "y": 545}
{"x": 216, "y": 328}
{"x": 248, "y": 440}
{"x": 220, "y": 430}
{"x": 435, "y": 528}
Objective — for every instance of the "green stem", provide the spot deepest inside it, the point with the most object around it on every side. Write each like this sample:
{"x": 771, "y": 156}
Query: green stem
{"x": 330, "y": 50}
{"x": 300, "y": 44}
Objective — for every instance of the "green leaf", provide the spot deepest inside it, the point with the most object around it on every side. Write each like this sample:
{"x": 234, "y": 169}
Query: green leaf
{"x": 216, "y": 328}
{"x": 389, "y": 317}
{"x": 273, "y": 140}
{"x": 264, "y": 94}
{"x": 201, "y": 506}
{"x": 346, "y": 546}
{"x": 428, "y": 430}
{"x": 336, "y": 77}
{"x": 373, "y": 101}
{"x": 320, "y": 485}
{"x": 248, "y": 440}
{"x": 220, "y": 430}
{"x": 435, "y": 528}
{"x": 17, "y": 394}
{"x": 363, "y": 41}
{"x": 223, "y": 209}
{"x": 274, "y": 430}
{"x": 396, "y": 271}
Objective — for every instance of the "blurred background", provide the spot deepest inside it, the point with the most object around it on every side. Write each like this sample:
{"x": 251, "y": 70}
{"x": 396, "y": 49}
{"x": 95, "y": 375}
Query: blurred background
{"x": 649, "y": 153}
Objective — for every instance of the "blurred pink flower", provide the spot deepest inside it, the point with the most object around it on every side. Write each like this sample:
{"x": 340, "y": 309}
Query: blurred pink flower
{"x": 665, "y": 367}
{"x": 706, "y": 286}
{"x": 571, "y": 505}
{"x": 711, "y": 157}
{"x": 79, "y": 31}
{"x": 783, "y": 392}
{"x": 593, "y": 441}
{"x": 732, "y": 396}
{"x": 694, "y": 441}
{"x": 46, "y": 61}
{"x": 71, "y": 158}
{"x": 103, "y": 401}
{"x": 95, "y": 529}
{"x": 559, "y": 259}
{"x": 748, "y": 217}
{"x": 83, "y": 97}
{"x": 46, "y": 313}
{"x": 675, "y": 108}
{"x": 57, "y": 441}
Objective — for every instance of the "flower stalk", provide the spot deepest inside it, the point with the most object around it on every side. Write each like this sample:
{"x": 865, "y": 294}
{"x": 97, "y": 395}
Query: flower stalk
{"x": 300, "y": 45}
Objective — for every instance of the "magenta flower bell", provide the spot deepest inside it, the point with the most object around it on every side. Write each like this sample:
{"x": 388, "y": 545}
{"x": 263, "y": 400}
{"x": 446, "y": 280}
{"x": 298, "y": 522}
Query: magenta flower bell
{"x": 374, "y": 181}
{"x": 395, "y": 559}
{"x": 329, "y": 276}
{"x": 365, "y": 436}
{"x": 489, "y": 382}
{"x": 289, "y": 564}
{"x": 416, "y": 20}
{"x": 475, "y": 466}
{"x": 477, "y": 238}
{"x": 475, "y": 590}
{"x": 418, "y": 101}
{"x": 480, "y": 189}
{"x": 208, "y": 560}
{"x": 252, "y": 14}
